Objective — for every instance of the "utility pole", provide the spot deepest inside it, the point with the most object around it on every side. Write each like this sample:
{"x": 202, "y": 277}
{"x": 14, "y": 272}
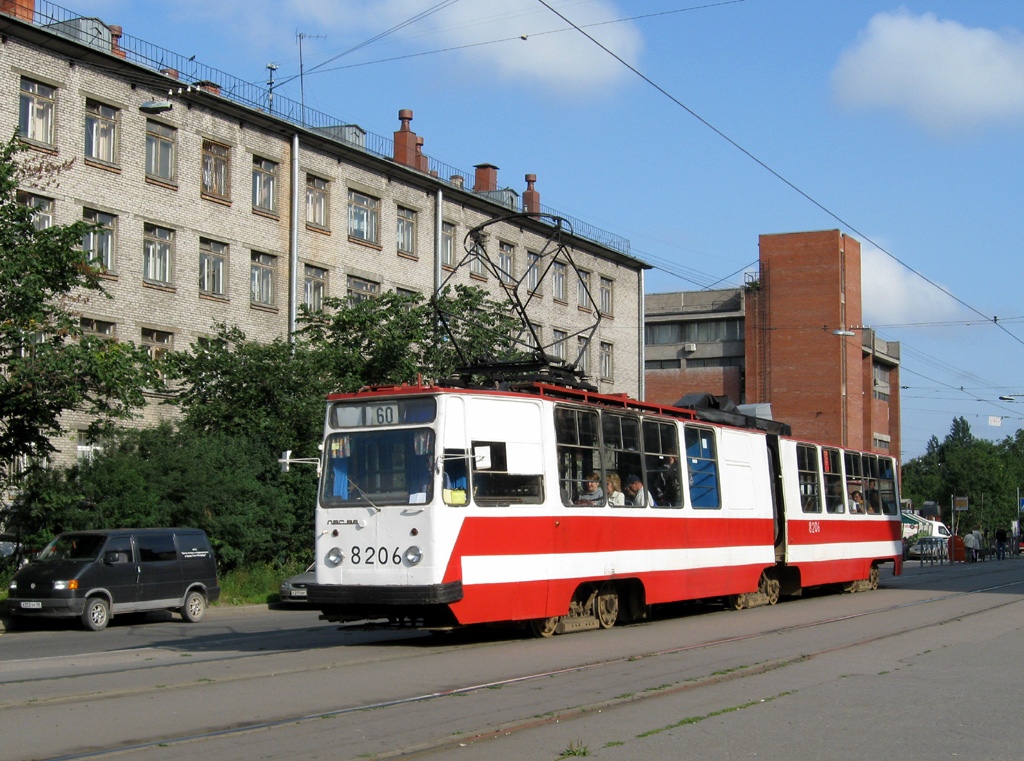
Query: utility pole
{"x": 271, "y": 67}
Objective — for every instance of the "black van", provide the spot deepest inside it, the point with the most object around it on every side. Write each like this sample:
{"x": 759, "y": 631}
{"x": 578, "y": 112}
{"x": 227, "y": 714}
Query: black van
{"x": 97, "y": 574}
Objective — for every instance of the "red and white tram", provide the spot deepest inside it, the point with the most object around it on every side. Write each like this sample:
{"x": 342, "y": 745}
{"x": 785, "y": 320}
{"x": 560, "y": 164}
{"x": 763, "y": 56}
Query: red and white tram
{"x": 442, "y": 507}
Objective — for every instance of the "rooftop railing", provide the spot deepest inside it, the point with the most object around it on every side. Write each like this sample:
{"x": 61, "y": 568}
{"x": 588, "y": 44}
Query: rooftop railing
{"x": 260, "y": 96}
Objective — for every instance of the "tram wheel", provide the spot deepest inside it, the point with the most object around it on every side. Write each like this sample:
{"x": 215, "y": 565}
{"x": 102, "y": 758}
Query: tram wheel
{"x": 607, "y": 605}
{"x": 770, "y": 587}
{"x": 873, "y": 577}
{"x": 737, "y": 602}
{"x": 544, "y": 627}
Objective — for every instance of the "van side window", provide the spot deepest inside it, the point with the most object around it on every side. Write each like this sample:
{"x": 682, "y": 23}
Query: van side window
{"x": 122, "y": 545}
{"x": 155, "y": 547}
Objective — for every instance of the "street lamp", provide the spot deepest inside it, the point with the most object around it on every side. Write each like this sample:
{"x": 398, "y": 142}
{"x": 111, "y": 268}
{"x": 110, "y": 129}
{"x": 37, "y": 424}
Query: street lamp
{"x": 1009, "y": 397}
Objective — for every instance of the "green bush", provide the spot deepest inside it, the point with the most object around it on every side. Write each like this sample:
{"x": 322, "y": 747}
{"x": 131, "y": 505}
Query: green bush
{"x": 255, "y": 585}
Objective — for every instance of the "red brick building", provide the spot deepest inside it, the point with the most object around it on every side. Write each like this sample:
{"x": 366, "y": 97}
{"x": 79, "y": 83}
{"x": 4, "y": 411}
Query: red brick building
{"x": 804, "y": 348}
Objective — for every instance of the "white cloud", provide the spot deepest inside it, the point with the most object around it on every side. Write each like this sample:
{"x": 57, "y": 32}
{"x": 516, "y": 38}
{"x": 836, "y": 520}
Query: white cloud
{"x": 893, "y": 295}
{"x": 939, "y": 73}
{"x": 564, "y": 61}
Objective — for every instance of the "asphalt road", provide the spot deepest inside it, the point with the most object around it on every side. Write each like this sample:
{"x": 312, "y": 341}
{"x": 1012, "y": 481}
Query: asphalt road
{"x": 925, "y": 667}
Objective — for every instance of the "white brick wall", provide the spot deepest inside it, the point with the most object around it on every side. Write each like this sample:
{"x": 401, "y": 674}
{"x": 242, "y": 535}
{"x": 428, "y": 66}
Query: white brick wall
{"x": 124, "y": 191}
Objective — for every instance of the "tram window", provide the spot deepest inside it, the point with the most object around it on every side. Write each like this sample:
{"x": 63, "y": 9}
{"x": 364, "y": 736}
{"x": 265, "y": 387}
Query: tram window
{"x": 661, "y": 461}
{"x": 887, "y": 486}
{"x": 493, "y": 484}
{"x": 622, "y": 454}
{"x": 378, "y": 467}
{"x": 854, "y": 482}
{"x": 831, "y": 468}
{"x": 807, "y": 478}
{"x": 872, "y": 498}
{"x": 702, "y": 467}
{"x": 579, "y": 458}
{"x": 456, "y": 476}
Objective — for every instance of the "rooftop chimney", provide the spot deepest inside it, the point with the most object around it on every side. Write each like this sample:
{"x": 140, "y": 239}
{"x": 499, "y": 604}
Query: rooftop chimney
{"x": 531, "y": 198}
{"x": 20, "y": 9}
{"x": 115, "y": 40}
{"x": 405, "y": 141}
{"x": 422, "y": 162}
{"x": 486, "y": 178}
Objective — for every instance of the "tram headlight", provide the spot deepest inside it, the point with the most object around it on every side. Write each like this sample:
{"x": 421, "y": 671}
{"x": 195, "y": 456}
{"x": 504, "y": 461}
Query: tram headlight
{"x": 413, "y": 555}
{"x": 334, "y": 557}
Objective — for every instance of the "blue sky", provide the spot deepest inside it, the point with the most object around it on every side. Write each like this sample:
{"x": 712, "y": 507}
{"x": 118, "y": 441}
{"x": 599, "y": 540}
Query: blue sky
{"x": 904, "y": 120}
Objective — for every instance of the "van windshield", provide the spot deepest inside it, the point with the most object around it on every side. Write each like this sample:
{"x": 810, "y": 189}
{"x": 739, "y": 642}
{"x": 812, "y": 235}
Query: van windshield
{"x": 73, "y": 547}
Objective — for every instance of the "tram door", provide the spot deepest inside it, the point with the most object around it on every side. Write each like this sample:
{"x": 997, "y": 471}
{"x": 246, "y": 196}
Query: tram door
{"x": 778, "y": 501}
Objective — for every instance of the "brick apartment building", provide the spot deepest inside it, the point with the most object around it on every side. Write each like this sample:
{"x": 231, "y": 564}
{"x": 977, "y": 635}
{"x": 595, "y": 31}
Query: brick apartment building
{"x": 221, "y": 205}
{"x": 793, "y": 338}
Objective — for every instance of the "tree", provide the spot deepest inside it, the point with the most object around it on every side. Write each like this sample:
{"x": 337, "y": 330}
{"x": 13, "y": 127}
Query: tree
{"x": 47, "y": 367}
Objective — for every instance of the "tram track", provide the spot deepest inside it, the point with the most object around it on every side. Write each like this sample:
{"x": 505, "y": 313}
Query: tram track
{"x": 236, "y": 729}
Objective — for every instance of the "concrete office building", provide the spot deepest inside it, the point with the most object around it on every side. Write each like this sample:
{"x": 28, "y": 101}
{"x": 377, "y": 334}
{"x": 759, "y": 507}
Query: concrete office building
{"x": 793, "y": 338}
{"x": 221, "y": 204}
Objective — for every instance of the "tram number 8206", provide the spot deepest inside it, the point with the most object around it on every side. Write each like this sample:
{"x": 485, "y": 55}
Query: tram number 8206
{"x": 375, "y": 556}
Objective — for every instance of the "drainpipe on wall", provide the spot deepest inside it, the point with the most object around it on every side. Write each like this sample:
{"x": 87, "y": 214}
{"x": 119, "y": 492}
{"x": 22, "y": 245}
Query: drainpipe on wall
{"x": 641, "y": 316}
{"x": 438, "y": 238}
{"x": 293, "y": 244}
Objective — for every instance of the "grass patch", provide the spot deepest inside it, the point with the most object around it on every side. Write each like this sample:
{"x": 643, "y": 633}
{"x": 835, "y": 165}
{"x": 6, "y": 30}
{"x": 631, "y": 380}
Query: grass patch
{"x": 255, "y": 585}
{"x": 697, "y": 719}
{"x": 576, "y": 748}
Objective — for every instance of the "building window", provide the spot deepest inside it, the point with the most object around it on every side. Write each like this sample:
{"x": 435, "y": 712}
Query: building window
{"x": 506, "y": 262}
{"x": 558, "y": 281}
{"x": 92, "y": 327}
{"x": 315, "y": 287}
{"x": 261, "y": 279}
{"x": 42, "y": 209}
{"x": 157, "y": 343}
{"x": 157, "y": 254}
{"x": 264, "y": 185}
{"x": 606, "y": 296}
{"x": 361, "y": 289}
{"x": 531, "y": 337}
{"x": 363, "y": 215}
{"x": 477, "y": 266}
{"x": 583, "y": 355}
{"x": 662, "y": 364}
{"x": 880, "y": 382}
{"x": 606, "y": 360}
{"x": 100, "y": 241}
{"x": 406, "y": 232}
{"x": 212, "y": 259}
{"x": 35, "y": 121}
{"x": 583, "y": 291}
{"x": 316, "y": 201}
{"x": 447, "y": 244}
{"x": 558, "y": 344}
{"x": 216, "y": 169}
{"x": 88, "y": 446}
{"x": 532, "y": 270}
{"x": 100, "y": 132}
{"x": 160, "y": 141}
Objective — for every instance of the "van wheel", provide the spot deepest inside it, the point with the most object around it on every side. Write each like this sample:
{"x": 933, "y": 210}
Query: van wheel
{"x": 96, "y": 615}
{"x": 194, "y": 607}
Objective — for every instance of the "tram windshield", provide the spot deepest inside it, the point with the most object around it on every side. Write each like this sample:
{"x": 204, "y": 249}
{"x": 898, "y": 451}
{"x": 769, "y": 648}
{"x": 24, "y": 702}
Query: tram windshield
{"x": 375, "y": 463}
{"x": 379, "y": 467}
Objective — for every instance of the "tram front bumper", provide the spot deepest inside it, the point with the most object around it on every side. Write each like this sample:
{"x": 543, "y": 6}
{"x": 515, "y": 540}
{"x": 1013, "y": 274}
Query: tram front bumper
{"x": 383, "y": 598}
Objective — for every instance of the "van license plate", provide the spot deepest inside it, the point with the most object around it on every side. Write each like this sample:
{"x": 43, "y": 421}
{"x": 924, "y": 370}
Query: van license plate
{"x": 31, "y": 604}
